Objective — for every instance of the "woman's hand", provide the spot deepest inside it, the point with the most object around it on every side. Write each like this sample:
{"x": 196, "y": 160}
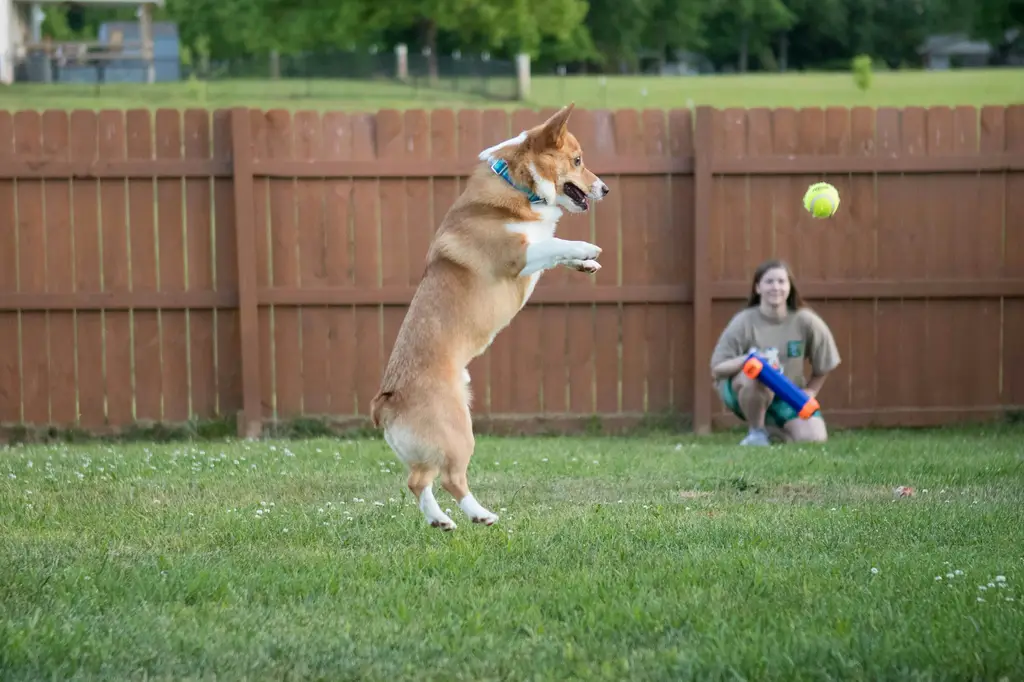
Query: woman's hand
{"x": 729, "y": 368}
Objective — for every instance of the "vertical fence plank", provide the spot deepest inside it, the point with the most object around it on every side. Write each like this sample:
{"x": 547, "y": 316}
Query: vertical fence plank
{"x": 226, "y": 321}
{"x": 246, "y": 231}
{"x": 311, "y": 230}
{"x": 284, "y": 260}
{"x": 580, "y": 318}
{"x": 394, "y": 237}
{"x": 890, "y": 216}
{"x": 444, "y": 146}
{"x": 60, "y": 271}
{"x": 917, "y": 229}
{"x": 940, "y": 240}
{"x": 202, "y": 362}
{"x": 629, "y": 142}
{"x": 682, "y": 212}
{"x": 10, "y": 363}
{"x": 365, "y": 204}
{"x": 174, "y": 342}
{"x": 986, "y": 249}
{"x": 118, "y": 350}
{"x": 32, "y": 273}
{"x": 607, "y": 318}
{"x": 939, "y": 237}
{"x": 660, "y": 248}
{"x": 147, "y": 362}
{"x": 753, "y": 243}
{"x": 88, "y": 273}
{"x": 336, "y": 136}
{"x": 785, "y": 142}
{"x": 418, "y": 228}
{"x": 730, "y": 216}
{"x": 859, "y": 212}
{"x": 704, "y": 138}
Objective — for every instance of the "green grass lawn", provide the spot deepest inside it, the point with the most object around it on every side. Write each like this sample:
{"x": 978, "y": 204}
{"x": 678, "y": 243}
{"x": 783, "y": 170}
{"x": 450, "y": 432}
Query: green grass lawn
{"x": 966, "y": 87}
{"x": 653, "y": 557}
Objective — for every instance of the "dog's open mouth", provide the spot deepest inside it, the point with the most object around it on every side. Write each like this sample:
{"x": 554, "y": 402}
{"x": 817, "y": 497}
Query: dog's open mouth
{"x": 578, "y": 196}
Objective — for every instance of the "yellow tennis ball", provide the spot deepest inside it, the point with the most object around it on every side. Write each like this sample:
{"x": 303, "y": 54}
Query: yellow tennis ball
{"x": 821, "y": 200}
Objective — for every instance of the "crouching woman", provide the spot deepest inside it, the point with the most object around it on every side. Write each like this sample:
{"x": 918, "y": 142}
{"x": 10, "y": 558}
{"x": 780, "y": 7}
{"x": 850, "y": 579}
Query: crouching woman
{"x": 778, "y": 324}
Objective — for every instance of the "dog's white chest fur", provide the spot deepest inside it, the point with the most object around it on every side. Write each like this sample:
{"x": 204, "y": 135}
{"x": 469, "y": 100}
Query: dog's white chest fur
{"x": 537, "y": 231}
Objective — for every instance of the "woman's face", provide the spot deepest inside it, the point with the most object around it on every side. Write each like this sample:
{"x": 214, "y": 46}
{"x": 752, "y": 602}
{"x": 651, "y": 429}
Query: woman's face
{"x": 774, "y": 287}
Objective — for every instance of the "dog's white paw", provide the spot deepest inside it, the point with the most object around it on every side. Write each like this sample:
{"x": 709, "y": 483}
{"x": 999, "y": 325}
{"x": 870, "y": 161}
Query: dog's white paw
{"x": 476, "y": 511}
{"x": 444, "y": 523}
{"x": 590, "y": 266}
{"x": 432, "y": 511}
{"x": 488, "y": 519}
{"x": 583, "y": 251}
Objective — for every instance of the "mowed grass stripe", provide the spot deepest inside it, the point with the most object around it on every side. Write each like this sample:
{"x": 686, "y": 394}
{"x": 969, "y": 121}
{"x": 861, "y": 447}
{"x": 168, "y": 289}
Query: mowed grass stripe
{"x": 965, "y": 87}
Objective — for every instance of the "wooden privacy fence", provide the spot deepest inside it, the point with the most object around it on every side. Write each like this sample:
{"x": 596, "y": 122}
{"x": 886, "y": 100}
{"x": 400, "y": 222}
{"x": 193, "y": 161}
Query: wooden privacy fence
{"x": 185, "y": 265}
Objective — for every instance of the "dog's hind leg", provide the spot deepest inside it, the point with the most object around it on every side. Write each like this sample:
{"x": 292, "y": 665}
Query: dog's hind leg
{"x": 423, "y": 469}
{"x": 454, "y": 477}
{"x": 455, "y": 482}
{"x": 421, "y": 484}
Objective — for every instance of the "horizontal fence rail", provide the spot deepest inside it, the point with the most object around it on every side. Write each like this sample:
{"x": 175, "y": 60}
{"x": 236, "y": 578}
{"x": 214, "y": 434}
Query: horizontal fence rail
{"x": 190, "y": 265}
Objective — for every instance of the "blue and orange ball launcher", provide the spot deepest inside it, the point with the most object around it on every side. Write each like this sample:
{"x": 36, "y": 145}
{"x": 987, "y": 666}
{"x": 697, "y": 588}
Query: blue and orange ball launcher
{"x": 757, "y": 367}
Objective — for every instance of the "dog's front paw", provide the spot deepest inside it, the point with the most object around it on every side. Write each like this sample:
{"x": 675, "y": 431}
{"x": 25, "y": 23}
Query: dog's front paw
{"x": 584, "y": 251}
{"x": 588, "y": 266}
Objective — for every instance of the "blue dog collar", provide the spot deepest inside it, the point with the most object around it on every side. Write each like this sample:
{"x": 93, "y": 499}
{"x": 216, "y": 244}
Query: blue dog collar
{"x": 500, "y": 167}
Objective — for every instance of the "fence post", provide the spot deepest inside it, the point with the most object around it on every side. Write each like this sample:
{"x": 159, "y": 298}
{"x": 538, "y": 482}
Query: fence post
{"x": 402, "y": 62}
{"x": 703, "y": 136}
{"x": 522, "y": 76}
{"x": 249, "y": 420}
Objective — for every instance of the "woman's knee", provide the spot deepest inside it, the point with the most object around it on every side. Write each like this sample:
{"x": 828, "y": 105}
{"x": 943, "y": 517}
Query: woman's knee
{"x": 747, "y": 388}
{"x": 811, "y": 430}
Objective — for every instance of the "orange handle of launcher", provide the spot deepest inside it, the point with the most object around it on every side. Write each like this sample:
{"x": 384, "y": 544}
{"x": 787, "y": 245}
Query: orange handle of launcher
{"x": 809, "y": 408}
{"x": 752, "y": 367}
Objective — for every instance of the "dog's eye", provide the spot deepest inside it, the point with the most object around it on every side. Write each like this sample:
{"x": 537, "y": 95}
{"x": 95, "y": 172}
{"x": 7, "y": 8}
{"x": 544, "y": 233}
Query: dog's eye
{"x": 578, "y": 160}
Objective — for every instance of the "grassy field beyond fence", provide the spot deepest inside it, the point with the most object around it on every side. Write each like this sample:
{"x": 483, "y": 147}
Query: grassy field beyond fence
{"x": 975, "y": 87}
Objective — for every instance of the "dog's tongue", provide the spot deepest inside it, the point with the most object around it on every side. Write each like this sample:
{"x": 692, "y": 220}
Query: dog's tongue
{"x": 575, "y": 193}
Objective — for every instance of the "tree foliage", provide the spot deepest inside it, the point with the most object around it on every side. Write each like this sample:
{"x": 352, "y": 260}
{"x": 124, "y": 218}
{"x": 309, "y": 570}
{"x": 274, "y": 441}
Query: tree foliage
{"x": 610, "y": 35}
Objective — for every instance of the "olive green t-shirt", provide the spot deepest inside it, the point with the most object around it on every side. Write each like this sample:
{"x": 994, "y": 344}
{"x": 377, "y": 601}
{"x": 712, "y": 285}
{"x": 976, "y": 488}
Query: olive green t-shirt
{"x": 800, "y": 335}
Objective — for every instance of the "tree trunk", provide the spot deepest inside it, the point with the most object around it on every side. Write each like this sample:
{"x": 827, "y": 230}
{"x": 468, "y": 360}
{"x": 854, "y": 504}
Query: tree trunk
{"x": 430, "y": 41}
{"x": 784, "y": 52}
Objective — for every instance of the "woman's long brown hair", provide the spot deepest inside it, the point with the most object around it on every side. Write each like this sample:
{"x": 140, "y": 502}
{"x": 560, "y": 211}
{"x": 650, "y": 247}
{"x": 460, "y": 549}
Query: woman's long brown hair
{"x": 793, "y": 301}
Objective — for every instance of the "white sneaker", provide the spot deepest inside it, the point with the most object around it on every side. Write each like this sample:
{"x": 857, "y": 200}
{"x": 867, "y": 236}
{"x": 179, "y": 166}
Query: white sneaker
{"x": 756, "y": 437}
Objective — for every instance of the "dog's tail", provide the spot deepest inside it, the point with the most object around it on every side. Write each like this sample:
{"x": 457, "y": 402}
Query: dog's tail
{"x": 380, "y": 407}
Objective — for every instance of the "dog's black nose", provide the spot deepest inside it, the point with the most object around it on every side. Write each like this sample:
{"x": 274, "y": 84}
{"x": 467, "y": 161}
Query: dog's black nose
{"x": 604, "y": 190}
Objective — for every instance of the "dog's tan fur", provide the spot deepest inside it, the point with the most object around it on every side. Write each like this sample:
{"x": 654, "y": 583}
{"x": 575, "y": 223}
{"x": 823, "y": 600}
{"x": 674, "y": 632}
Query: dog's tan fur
{"x": 471, "y": 289}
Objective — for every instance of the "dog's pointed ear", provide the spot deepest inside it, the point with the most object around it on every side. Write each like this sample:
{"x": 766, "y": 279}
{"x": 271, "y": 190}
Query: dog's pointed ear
{"x": 554, "y": 128}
